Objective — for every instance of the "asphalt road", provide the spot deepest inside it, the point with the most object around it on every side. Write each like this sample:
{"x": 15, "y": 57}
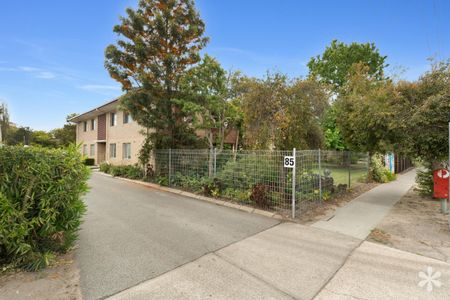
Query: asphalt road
{"x": 132, "y": 233}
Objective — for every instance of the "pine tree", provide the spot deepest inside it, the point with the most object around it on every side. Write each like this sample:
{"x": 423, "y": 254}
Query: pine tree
{"x": 159, "y": 42}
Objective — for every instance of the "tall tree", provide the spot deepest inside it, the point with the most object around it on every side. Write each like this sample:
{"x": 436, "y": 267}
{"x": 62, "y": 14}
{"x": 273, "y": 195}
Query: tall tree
{"x": 159, "y": 41}
{"x": 334, "y": 65}
{"x": 4, "y": 122}
{"x": 425, "y": 114}
{"x": 210, "y": 89}
{"x": 67, "y": 134}
{"x": 282, "y": 114}
{"x": 367, "y": 110}
{"x": 333, "y": 69}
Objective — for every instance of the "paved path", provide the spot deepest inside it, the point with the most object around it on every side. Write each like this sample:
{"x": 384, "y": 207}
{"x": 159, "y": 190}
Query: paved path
{"x": 292, "y": 261}
{"x": 361, "y": 215}
{"x": 132, "y": 233}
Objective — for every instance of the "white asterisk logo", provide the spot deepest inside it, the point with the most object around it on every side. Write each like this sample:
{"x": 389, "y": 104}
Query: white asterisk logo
{"x": 429, "y": 279}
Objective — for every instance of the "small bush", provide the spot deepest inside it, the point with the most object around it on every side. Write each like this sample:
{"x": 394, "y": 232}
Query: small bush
{"x": 424, "y": 180}
{"x": 378, "y": 171}
{"x": 131, "y": 172}
{"x": 89, "y": 161}
{"x": 40, "y": 203}
{"x": 260, "y": 195}
{"x": 105, "y": 167}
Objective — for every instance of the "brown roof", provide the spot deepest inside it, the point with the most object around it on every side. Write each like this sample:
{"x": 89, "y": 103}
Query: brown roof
{"x": 109, "y": 106}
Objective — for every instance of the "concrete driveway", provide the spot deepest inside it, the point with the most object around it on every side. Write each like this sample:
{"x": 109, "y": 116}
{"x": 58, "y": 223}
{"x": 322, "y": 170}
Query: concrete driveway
{"x": 133, "y": 233}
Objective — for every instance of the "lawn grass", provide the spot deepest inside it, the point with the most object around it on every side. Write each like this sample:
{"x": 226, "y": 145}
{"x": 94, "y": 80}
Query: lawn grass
{"x": 340, "y": 174}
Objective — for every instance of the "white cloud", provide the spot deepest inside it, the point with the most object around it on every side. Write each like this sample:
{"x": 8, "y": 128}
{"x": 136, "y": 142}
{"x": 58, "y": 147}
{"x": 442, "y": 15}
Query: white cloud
{"x": 29, "y": 69}
{"x": 46, "y": 75}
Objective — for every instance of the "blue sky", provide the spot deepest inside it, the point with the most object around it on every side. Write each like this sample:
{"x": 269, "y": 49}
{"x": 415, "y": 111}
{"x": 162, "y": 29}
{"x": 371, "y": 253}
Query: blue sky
{"x": 51, "y": 51}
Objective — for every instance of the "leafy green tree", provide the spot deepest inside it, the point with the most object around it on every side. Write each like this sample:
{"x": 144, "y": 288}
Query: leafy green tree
{"x": 159, "y": 41}
{"x": 18, "y": 135}
{"x": 334, "y": 65}
{"x": 302, "y": 112}
{"x": 262, "y": 105}
{"x": 209, "y": 89}
{"x": 332, "y": 135}
{"x": 43, "y": 138}
{"x": 367, "y": 111}
{"x": 426, "y": 114}
{"x": 67, "y": 134}
{"x": 283, "y": 114}
{"x": 4, "y": 121}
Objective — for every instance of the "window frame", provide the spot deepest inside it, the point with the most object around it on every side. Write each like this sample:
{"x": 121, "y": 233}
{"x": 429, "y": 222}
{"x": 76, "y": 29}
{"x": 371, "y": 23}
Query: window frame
{"x": 92, "y": 150}
{"x": 85, "y": 150}
{"x": 111, "y": 152}
{"x": 113, "y": 119}
{"x": 84, "y": 126}
{"x": 93, "y": 124}
{"x": 127, "y": 118}
{"x": 124, "y": 151}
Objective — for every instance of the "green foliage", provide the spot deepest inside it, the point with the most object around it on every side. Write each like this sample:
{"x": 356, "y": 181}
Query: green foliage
{"x": 378, "y": 171}
{"x": 335, "y": 64}
{"x": 40, "y": 203}
{"x": 105, "y": 167}
{"x": 424, "y": 180}
{"x": 158, "y": 42}
{"x": 128, "y": 171}
{"x": 60, "y": 137}
{"x": 283, "y": 114}
{"x": 89, "y": 161}
{"x": 425, "y": 114}
{"x": 368, "y": 110}
{"x": 332, "y": 134}
{"x": 208, "y": 87}
{"x": 4, "y": 121}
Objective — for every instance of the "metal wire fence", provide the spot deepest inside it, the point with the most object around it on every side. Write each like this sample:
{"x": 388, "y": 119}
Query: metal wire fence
{"x": 260, "y": 178}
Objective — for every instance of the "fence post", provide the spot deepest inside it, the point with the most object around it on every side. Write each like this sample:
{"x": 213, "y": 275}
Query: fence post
{"x": 349, "y": 167}
{"x": 320, "y": 177}
{"x": 215, "y": 162}
{"x": 293, "y": 182}
{"x": 170, "y": 166}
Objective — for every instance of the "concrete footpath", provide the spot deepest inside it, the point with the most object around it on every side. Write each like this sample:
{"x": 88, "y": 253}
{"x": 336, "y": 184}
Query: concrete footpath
{"x": 291, "y": 261}
{"x": 362, "y": 214}
{"x": 329, "y": 260}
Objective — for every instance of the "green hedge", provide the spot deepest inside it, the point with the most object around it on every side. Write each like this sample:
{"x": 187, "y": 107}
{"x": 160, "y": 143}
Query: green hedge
{"x": 130, "y": 171}
{"x": 40, "y": 203}
{"x": 89, "y": 161}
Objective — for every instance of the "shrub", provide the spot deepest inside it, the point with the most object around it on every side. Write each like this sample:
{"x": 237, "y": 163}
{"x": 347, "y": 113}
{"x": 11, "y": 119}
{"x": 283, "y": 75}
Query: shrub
{"x": 424, "y": 180}
{"x": 105, "y": 167}
{"x": 89, "y": 161}
{"x": 260, "y": 195}
{"x": 378, "y": 171}
{"x": 131, "y": 172}
{"x": 40, "y": 203}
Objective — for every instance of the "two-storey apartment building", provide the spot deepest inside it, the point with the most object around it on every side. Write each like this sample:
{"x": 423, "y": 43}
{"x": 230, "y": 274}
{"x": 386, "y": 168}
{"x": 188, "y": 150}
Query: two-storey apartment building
{"x": 109, "y": 134}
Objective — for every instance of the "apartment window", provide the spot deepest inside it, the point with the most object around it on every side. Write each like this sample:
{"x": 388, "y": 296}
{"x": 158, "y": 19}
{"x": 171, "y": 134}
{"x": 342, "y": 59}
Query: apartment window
{"x": 112, "y": 150}
{"x": 126, "y": 151}
{"x": 93, "y": 124}
{"x": 85, "y": 126}
{"x": 113, "y": 119}
{"x": 92, "y": 150}
{"x": 127, "y": 118}
{"x": 85, "y": 152}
